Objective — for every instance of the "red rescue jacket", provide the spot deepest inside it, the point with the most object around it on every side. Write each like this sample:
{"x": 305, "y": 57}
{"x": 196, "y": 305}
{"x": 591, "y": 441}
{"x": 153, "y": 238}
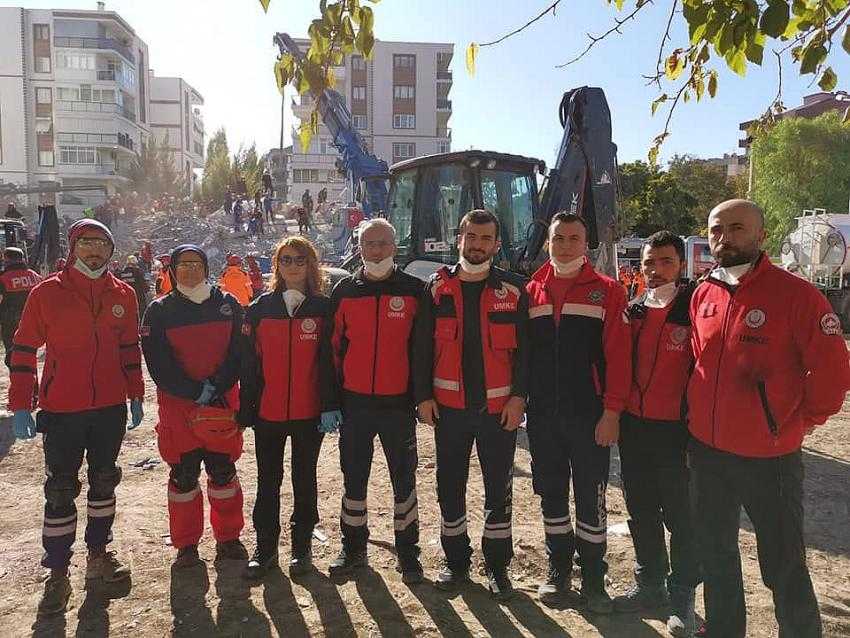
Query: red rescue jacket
{"x": 91, "y": 331}
{"x": 16, "y": 282}
{"x": 661, "y": 358}
{"x": 287, "y": 367}
{"x": 770, "y": 362}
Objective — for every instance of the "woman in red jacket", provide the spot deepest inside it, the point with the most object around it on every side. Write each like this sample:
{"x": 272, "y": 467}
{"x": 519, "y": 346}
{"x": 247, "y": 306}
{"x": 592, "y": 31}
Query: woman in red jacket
{"x": 287, "y": 390}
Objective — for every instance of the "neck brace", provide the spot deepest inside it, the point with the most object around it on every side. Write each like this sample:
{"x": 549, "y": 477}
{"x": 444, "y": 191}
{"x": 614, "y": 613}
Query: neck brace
{"x": 88, "y": 272}
{"x": 567, "y": 268}
{"x": 197, "y": 294}
{"x": 731, "y": 275}
{"x": 293, "y": 298}
{"x": 378, "y": 269}
{"x": 474, "y": 269}
{"x": 662, "y": 296}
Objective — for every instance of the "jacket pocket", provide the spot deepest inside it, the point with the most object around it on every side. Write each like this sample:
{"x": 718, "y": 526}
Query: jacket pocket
{"x": 503, "y": 336}
{"x": 765, "y": 406}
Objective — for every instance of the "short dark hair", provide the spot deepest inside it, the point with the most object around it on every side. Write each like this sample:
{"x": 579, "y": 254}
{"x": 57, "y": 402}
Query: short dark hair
{"x": 665, "y": 238}
{"x": 563, "y": 217}
{"x": 479, "y": 216}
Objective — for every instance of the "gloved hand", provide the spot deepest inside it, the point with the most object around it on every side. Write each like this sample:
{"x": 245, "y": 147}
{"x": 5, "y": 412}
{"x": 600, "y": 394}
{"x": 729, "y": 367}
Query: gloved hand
{"x": 137, "y": 414}
{"x": 207, "y": 393}
{"x": 24, "y": 424}
{"x": 331, "y": 420}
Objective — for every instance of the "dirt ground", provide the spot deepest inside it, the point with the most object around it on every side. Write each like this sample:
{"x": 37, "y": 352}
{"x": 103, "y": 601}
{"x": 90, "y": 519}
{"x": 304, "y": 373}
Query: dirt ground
{"x": 216, "y": 601}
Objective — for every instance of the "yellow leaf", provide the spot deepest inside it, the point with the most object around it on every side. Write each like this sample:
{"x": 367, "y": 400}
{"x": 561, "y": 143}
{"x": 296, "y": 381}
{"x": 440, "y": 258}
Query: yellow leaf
{"x": 471, "y": 53}
{"x": 674, "y": 66}
{"x": 331, "y": 78}
{"x": 619, "y": 4}
{"x": 305, "y": 134}
{"x": 265, "y": 4}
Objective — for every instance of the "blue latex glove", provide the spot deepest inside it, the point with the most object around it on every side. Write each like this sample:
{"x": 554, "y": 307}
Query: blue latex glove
{"x": 207, "y": 393}
{"x": 24, "y": 424}
{"x": 136, "y": 413}
{"x": 331, "y": 420}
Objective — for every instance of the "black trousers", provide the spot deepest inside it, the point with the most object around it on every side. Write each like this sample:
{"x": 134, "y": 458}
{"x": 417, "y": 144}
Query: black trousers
{"x": 455, "y": 433}
{"x": 97, "y": 434}
{"x": 653, "y": 457}
{"x": 561, "y": 449}
{"x": 771, "y": 492}
{"x": 270, "y": 442}
{"x": 397, "y": 431}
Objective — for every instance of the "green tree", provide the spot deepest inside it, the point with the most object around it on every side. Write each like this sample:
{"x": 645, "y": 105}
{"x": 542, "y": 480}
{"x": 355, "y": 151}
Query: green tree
{"x": 653, "y": 200}
{"x": 249, "y": 168}
{"x": 217, "y": 168}
{"x": 706, "y": 183}
{"x": 152, "y": 171}
{"x": 798, "y": 164}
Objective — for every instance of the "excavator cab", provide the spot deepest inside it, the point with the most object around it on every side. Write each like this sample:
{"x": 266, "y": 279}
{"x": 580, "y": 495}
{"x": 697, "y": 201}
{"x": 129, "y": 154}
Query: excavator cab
{"x": 429, "y": 195}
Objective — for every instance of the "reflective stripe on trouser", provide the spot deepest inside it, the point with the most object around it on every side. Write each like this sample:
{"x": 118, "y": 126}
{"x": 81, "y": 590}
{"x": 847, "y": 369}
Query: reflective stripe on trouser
{"x": 561, "y": 450}
{"x": 397, "y": 432}
{"x": 226, "y": 516}
{"x": 495, "y": 447}
{"x": 185, "y": 516}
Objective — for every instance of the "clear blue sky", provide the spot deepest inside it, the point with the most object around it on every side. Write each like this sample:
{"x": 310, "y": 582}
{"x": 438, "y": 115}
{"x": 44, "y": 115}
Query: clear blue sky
{"x": 224, "y": 49}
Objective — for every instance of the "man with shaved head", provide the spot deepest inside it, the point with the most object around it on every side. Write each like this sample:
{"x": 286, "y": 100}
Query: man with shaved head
{"x": 770, "y": 365}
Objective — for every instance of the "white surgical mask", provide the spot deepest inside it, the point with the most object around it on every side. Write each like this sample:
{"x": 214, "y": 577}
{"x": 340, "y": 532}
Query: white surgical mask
{"x": 731, "y": 275}
{"x": 567, "y": 268}
{"x": 474, "y": 269}
{"x": 293, "y": 298}
{"x": 378, "y": 269}
{"x": 196, "y": 294}
{"x": 662, "y": 296}
{"x": 80, "y": 265}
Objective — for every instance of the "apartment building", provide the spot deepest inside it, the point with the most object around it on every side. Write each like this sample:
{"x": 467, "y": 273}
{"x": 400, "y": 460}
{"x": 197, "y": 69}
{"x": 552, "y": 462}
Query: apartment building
{"x": 399, "y": 103}
{"x": 176, "y": 119}
{"x": 74, "y": 99}
{"x": 277, "y": 163}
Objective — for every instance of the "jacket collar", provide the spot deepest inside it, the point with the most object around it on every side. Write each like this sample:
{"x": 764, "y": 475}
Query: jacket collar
{"x": 72, "y": 280}
{"x": 494, "y": 277}
{"x": 761, "y": 265}
{"x": 546, "y": 273}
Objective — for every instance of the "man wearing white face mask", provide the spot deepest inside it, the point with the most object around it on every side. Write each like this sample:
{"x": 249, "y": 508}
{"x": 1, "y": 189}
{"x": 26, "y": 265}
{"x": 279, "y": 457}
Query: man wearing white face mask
{"x": 374, "y": 311}
{"x": 654, "y": 437}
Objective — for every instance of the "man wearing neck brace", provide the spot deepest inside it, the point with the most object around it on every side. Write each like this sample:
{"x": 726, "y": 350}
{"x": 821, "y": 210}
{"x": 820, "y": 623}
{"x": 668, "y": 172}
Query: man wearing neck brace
{"x": 654, "y": 436}
{"x": 471, "y": 386}
{"x": 191, "y": 341}
{"x": 88, "y": 320}
{"x": 374, "y": 311}
{"x": 580, "y": 373}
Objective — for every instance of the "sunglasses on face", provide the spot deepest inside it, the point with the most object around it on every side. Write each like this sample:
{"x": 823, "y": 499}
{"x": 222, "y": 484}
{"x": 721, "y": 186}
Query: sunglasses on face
{"x": 186, "y": 265}
{"x": 287, "y": 260}
{"x": 93, "y": 242}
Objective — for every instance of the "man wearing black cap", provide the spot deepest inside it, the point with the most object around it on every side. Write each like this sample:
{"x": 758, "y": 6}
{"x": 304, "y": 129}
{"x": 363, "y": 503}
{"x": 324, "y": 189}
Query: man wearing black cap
{"x": 190, "y": 338}
{"x": 88, "y": 320}
{"x": 15, "y": 284}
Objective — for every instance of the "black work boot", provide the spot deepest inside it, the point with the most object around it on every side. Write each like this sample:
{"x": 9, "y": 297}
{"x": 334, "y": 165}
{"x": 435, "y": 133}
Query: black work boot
{"x": 595, "y": 597}
{"x": 499, "y": 584}
{"x": 347, "y": 562}
{"x": 410, "y": 569}
{"x": 263, "y": 560}
{"x": 557, "y": 584}
{"x": 682, "y": 621}
{"x": 301, "y": 560}
{"x": 643, "y": 595}
{"x": 451, "y": 576}
{"x": 57, "y": 592}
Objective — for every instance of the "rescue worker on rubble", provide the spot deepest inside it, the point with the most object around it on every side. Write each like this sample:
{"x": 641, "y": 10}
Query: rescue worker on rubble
{"x": 287, "y": 391}
{"x": 132, "y": 275}
{"x": 471, "y": 348}
{"x": 236, "y": 281}
{"x": 189, "y": 378}
{"x": 654, "y": 437}
{"x": 163, "y": 284}
{"x": 579, "y": 379}
{"x": 88, "y": 320}
{"x": 374, "y": 311}
{"x": 16, "y": 282}
{"x": 770, "y": 365}
{"x": 256, "y": 276}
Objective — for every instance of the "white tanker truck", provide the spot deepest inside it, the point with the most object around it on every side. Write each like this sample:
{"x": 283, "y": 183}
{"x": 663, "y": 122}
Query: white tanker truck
{"x": 817, "y": 251}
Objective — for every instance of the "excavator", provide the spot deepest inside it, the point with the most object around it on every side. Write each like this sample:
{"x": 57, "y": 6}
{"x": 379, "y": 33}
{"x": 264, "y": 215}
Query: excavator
{"x": 427, "y": 196}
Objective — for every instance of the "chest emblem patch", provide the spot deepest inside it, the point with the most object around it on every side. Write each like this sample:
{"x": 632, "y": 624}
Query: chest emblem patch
{"x": 679, "y": 335}
{"x": 501, "y": 293}
{"x": 226, "y": 310}
{"x": 308, "y": 325}
{"x": 755, "y": 318}
{"x": 830, "y": 324}
{"x": 118, "y": 311}
{"x": 396, "y": 304}
{"x": 596, "y": 296}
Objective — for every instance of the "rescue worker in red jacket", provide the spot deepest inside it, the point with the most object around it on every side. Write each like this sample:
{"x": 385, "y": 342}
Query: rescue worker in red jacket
{"x": 654, "y": 437}
{"x": 770, "y": 365}
{"x": 373, "y": 318}
{"x": 191, "y": 343}
{"x": 88, "y": 321}
{"x": 471, "y": 387}
{"x": 16, "y": 282}
{"x": 285, "y": 389}
{"x": 256, "y": 276}
{"x": 579, "y": 379}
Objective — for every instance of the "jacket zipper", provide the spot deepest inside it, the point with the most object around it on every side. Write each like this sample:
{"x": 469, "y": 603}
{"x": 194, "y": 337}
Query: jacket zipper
{"x": 289, "y": 374}
{"x": 719, "y": 361}
{"x": 96, "y": 349}
{"x": 377, "y": 341}
{"x": 768, "y": 415}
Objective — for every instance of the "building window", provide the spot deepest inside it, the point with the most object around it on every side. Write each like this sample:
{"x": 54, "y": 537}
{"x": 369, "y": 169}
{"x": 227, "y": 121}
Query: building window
{"x": 404, "y": 92}
{"x": 443, "y": 60}
{"x": 83, "y": 61}
{"x": 77, "y": 155}
{"x": 45, "y": 158}
{"x": 42, "y": 64}
{"x": 359, "y": 122}
{"x": 404, "y": 150}
{"x": 323, "y": 145}
{"x": 444, "y": 146}
{"x": 358, "y": 93}
{"x": 404, "y": 120}
{"x": 43, "y": 96}
{"x": 305, "y": 175}
{"x": 404, "y": 61}
{"x": 358, "y": 63}
{"x": 41, "y": 31}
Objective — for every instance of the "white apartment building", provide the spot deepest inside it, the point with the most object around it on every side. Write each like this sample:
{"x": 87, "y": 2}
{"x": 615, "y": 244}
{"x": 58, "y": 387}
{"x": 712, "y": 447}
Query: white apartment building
{"x": 175, "y": 118}
{"x": 74, "y": 99}
{"x": 399, "y": 102}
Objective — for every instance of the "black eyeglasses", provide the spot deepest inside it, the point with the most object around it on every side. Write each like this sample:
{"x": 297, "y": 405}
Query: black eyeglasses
{"x": 286, "y": 260}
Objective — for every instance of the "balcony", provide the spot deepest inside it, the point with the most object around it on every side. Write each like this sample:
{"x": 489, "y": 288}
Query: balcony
{"x": 444, "y": 75}
{"x": 89, "y": 169}
{"x": 106, "y": 76}
{"x": 444, "y": 133}
{"x": 97, "y": 139}
{"x": 88, "y": 107}
{"x": 444, "y": 105}
{"x": 95, "y": 43}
